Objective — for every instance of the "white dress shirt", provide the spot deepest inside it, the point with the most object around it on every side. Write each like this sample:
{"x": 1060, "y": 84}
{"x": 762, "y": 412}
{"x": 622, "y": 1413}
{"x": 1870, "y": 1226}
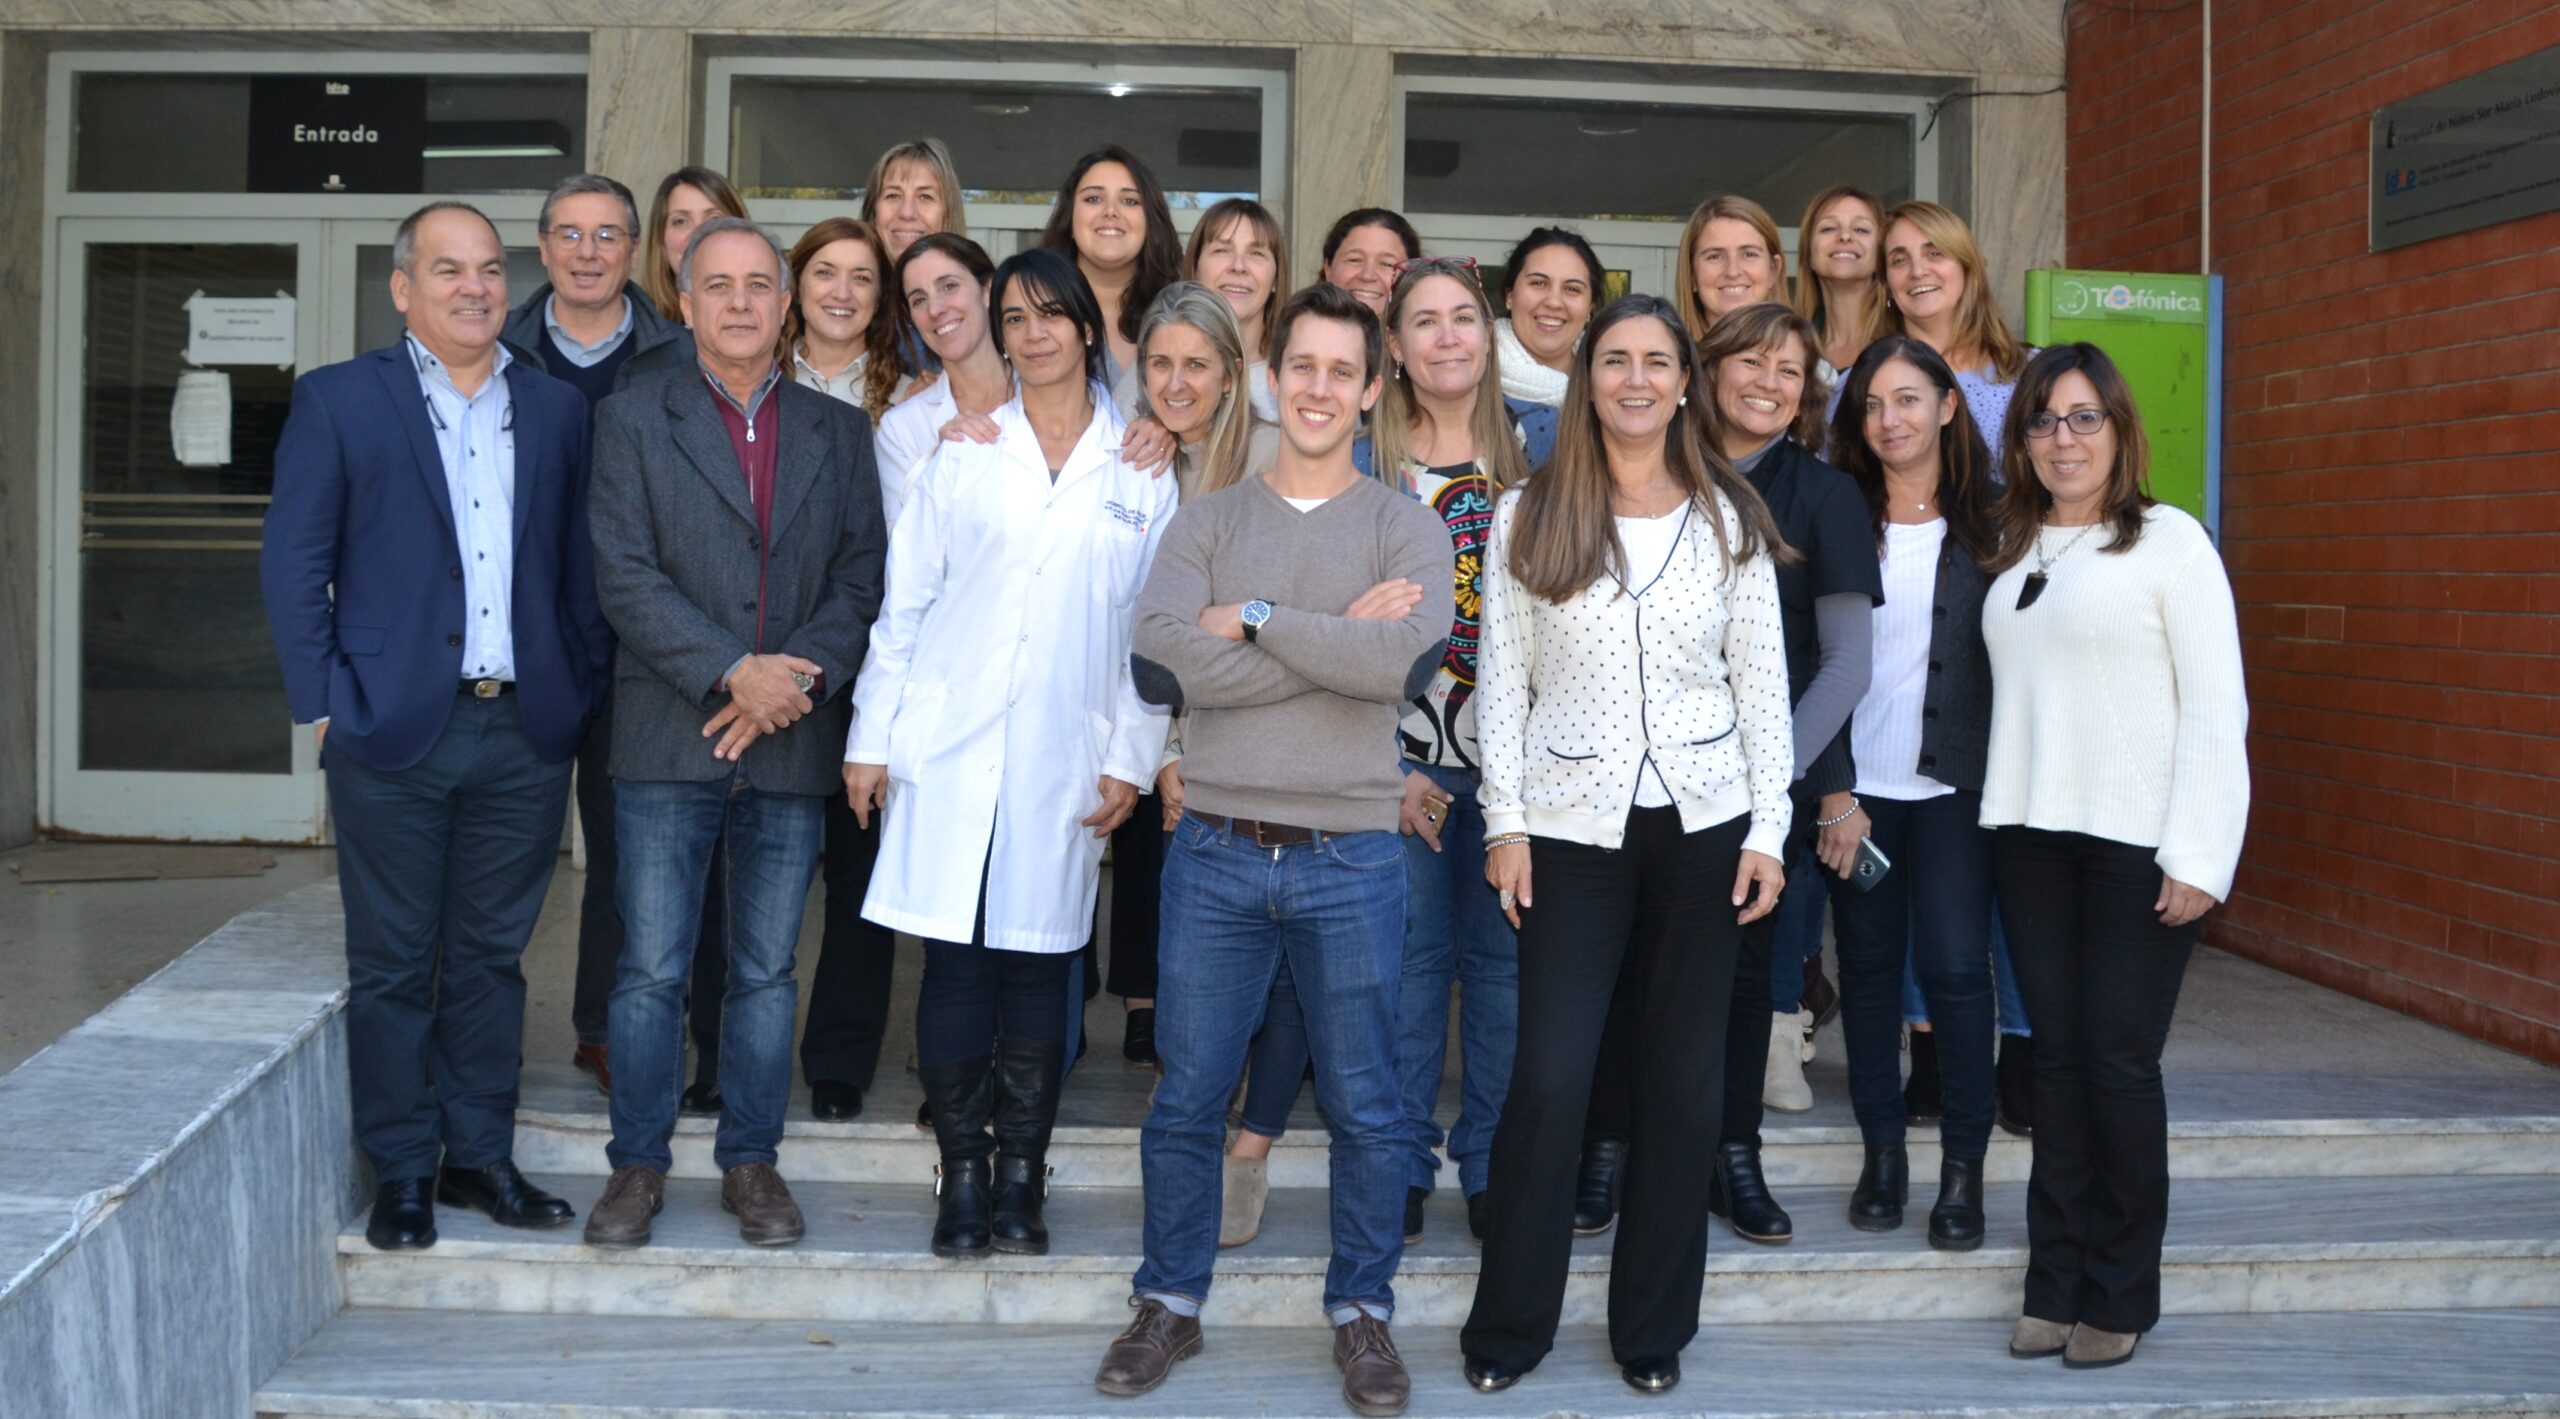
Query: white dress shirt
{"x": 476, "y": 437}
{"x": 997, "y": 687}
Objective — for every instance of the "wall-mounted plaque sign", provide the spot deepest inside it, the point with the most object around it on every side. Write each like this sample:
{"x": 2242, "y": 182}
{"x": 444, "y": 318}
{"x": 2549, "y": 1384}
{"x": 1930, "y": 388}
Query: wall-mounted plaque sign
{"x": 2477, "y": 151}
{"x": 353, "y": 133}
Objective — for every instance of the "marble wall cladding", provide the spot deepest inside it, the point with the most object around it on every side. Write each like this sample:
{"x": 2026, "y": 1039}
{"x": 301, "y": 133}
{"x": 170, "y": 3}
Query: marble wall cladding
{"x": 22, "y": 68}
{"x": 2015, "y": 197}
{"x": 180, "y": 1167}
{"x": 1341, "y": 153}
{"x": 640, "y": 108}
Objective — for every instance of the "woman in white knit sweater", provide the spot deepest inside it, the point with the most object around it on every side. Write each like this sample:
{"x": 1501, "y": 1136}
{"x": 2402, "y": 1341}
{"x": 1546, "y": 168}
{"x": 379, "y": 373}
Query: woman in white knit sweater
{"x": 2118, "y": 786}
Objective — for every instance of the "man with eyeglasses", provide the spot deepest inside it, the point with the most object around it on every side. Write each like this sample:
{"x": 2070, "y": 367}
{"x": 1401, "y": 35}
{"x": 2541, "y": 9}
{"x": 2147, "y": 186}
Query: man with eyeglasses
{"x": 592, "y": 327}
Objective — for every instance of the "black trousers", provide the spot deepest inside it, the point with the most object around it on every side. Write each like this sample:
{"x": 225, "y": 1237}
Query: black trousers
{"x": 1137, "y": 875}
{"x": 442, "y": 867}
{"x": 849, "y": 996}
{"x": 1933, "y": 909}
{"x": 2100, "y": 975}
{"x": 1647, "y": 930}
{"x": 600, "y": 918}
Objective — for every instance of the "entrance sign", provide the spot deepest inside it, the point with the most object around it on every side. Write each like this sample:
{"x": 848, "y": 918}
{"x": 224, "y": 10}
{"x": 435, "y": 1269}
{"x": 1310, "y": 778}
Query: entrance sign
{"x": 2165, "y": 333}
{"x": 240, "y": 330}
{"x": 2473, "y": 153}
{"x": 356, "y": 133}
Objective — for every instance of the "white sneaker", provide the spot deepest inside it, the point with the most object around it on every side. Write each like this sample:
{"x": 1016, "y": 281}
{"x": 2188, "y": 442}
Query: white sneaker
{"x": 1246, "y": 1184}
{"x": 1785, "y": 1090}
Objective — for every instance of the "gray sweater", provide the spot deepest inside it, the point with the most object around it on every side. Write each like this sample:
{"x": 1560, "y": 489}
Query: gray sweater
{"x": 1298, "y": 727}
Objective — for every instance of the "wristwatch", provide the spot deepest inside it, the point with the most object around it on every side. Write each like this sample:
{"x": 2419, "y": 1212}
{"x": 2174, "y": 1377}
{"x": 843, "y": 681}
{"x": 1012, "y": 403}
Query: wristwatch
{"x": 1254, "y": 614}
{"x": 805, "y": 681}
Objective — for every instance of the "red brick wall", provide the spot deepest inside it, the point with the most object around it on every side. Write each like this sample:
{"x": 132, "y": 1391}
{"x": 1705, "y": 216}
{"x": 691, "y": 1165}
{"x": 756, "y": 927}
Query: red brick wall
{"x": 2391, "y": 489}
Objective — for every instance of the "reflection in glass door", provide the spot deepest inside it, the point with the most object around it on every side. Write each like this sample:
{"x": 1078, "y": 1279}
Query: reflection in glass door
{"x": 170, "y": 718}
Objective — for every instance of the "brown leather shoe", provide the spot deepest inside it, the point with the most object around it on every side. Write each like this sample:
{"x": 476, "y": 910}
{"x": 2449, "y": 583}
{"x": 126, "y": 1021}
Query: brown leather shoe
{"x": 767, "y": 1217}
{"x": 1373, "y": 1377}
{"x": 1148, "y": 1350}
{"x": 593, "y": 1059}
{"x": 620, "y": 1218}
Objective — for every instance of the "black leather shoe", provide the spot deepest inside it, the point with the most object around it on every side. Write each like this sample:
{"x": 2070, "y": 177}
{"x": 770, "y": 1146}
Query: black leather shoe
{"x": 1027, "y": 1077}
{"x": 1414, "y": 1197}
{"x": 831, "y": 1102}
{"x": 1138, "y": 1038}
{"x": 1491, "y": 1376}
{"x": 702, "y": 1097}
{"x": 1921, "y": 1101}
{"x": 1737, "y": 1192}
{"x": 1955, "y": 1224}
{"x": 1883, "y": 1186}
{"x": 1595, "y": 1190}
{"x": 1479, "y": 1216}
{"x": 404, "y": 1216}
{"x": 2017, "y": 1080}
{"x": 503, "y": 1193}
{"x": 1651, "y": 1375}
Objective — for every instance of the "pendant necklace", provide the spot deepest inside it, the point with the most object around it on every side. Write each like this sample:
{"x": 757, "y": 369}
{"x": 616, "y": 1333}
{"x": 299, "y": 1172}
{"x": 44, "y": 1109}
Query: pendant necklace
{"x": 2034, "y": 584}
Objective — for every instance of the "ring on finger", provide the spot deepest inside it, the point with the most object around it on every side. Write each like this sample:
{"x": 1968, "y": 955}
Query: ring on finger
{"x": 1509, "y": 899}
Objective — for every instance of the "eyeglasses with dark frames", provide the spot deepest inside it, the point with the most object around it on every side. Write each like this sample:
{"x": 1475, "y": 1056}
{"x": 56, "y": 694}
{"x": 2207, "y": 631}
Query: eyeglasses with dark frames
{"x": 2084, "y": 422}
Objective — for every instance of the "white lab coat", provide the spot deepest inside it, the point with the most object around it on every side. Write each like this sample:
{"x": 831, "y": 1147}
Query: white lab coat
{"x": 997, "y": 687}
{"x": 904, "y": 440}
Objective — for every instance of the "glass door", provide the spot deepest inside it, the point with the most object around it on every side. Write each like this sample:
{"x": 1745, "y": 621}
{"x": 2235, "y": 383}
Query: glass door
{"x": 178, "y": 358}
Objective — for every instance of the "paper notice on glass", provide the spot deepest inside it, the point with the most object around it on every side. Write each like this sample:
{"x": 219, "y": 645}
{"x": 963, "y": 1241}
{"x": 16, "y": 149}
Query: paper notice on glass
{"x": 239, "y": 330}
{"x": 200, "y": 419}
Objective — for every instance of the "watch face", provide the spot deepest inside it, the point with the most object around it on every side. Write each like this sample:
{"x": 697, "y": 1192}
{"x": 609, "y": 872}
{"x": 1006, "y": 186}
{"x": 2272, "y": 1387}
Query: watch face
{"x": 1256, "y": 612}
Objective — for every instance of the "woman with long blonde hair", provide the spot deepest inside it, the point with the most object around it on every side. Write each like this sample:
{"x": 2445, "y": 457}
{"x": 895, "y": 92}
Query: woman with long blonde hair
{"x": 914, "y": 191}
{"x": 1941, "y": 290}
{"x": 1730, "y": 257}
{"x": 687, "y": 198}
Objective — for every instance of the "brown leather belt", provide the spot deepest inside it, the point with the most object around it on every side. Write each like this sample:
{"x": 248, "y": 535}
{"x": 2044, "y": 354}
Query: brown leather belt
{"x": 1263, "y": 834}
{"x": 488, "y": 689}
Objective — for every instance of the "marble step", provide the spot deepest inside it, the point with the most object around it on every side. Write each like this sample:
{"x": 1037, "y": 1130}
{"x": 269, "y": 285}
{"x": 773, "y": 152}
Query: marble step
{"x": 379, "y": 1364}
{"x": 2234, "y": 1245}
{"x": 2237, "y": 1126}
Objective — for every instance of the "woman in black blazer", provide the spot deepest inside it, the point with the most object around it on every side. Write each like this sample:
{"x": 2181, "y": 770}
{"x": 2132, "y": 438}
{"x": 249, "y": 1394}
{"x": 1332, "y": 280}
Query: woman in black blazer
{"x": 1918, "y": 736}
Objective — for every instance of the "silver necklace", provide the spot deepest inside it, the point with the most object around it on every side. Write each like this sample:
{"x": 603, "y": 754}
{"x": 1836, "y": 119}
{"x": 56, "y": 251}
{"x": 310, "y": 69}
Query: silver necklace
{"x": 2033, "y": 587}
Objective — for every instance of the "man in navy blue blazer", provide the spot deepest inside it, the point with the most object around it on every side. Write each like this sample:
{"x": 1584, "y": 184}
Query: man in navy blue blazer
{"x": 431, "y": 588}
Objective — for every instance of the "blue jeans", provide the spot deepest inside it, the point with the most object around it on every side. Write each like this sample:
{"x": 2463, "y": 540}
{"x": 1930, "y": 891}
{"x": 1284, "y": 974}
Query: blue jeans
{"x": 1278, "y": 1061}
{"x": 2006, "y": 997}
{"x": 667, "y": 831}
{"x": 1929, "y": 915}
{"x": 1333, "y": 909}
{"x": 1796, "y": 932}
{"x": 1456, "y": 931}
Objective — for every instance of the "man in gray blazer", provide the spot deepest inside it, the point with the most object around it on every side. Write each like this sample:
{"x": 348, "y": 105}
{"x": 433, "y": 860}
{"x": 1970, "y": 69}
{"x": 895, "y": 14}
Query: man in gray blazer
{"x": 739, "y": 548}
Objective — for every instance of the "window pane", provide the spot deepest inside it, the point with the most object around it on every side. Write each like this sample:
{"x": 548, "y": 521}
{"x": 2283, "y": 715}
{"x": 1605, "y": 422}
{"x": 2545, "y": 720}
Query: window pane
{"x": 517, "y": 133}
{"x": 1511, "y": 157}
{"x": 793, "y": 137}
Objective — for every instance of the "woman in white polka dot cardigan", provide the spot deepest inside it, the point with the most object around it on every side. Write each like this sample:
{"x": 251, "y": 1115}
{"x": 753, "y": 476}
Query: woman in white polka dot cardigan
{"x": 1634, "y": 722}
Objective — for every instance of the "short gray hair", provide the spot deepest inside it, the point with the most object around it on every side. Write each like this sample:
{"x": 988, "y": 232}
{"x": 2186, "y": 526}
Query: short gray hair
{"x": 593, "y": 184}
{"x": 404, "y": 242}
{"x": 719, "y": 226}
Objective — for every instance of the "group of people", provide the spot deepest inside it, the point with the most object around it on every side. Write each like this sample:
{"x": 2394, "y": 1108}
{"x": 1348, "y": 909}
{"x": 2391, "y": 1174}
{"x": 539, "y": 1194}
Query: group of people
{"x": 1567, "y": 659}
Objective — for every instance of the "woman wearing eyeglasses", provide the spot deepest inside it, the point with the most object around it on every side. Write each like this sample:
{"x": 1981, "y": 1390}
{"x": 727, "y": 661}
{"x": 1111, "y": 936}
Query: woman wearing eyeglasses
{"x": 2117, "y": 789}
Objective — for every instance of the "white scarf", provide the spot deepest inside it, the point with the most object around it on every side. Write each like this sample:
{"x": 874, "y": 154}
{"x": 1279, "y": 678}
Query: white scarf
{"x": 1522, "y": 376}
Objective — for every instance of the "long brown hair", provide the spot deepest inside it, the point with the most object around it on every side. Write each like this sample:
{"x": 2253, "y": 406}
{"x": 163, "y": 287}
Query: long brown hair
{"x": 1980, "y": 328}
{"x": 1399, "y": 409}
{"x": 2024, "y": 504}
{"x": 1964, "y": 460}
{"x": 883, "y": 367}
{"x": 1563, "y": 537}
{"x": 1765, "y": 326}
{"x": 655, "y": 277}
{"x": 1159, "y": 251}
{"x": 1257, "y": 218}
{"x": 1877, "y": 319}
{"x": 1684, "y": 280}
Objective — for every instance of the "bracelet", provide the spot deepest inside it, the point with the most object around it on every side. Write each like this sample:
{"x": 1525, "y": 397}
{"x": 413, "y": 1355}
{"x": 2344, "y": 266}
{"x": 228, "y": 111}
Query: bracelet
{"x": 1504, "y": 840}
{"x": 1845, "y": 817}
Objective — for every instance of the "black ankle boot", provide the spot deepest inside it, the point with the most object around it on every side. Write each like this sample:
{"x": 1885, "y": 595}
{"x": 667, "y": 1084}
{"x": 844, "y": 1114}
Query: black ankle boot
{"x": 1595, "y": 1191}
{"x": 959, "y": 1098}
{"x": 1920, "y": 1097}
{"x": 2017, "y": 1074}
{"x": 1883, "y": 1186}
{"x": 1737, "y": 1192}
{"x": 1955, "y": 1224}
{"x": 1026, "y": 1108}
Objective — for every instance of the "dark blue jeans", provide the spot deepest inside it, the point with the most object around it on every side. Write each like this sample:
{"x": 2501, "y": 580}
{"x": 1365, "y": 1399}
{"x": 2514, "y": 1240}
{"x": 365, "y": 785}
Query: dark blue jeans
{"x": 442, "y": 867}
{"x": 1277, "y": 1063}
{"x": 1335, "y": 911}
{"x": 667, "y": 833}
{"x": 1937, "y": 899}
{"x": 1456, "y": 932}
{"x": 1796, "y": 929}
